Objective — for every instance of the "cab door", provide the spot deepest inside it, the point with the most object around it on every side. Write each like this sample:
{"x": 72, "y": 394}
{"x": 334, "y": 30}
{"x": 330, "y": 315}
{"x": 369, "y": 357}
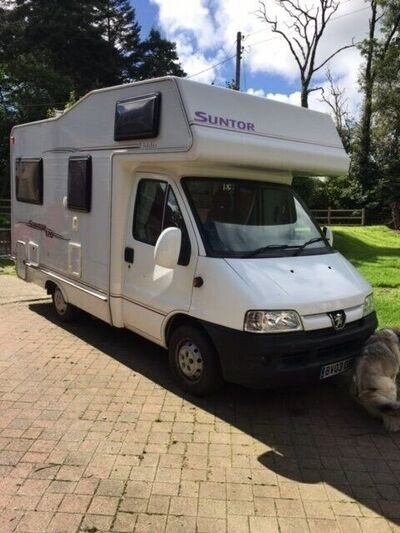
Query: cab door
{"x": 151, "y": 292}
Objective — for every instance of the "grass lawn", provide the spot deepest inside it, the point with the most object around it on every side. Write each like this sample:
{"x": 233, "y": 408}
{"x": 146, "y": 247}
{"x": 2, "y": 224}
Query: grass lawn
{"x": 7, "y": 266}
{"x": 375, "y": 252}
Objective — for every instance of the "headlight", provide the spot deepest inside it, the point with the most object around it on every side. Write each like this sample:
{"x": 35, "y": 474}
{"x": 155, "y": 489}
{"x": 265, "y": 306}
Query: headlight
{"x": 368, "y": 305}
{"x": 272, "y": 321}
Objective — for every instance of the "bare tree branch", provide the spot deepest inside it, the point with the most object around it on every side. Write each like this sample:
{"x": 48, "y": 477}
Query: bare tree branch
{"x": 312, "y": 89}
{"x": 303, "y": 34}
{"x": 333, "y": 55}
{"x": 335, "y": 99}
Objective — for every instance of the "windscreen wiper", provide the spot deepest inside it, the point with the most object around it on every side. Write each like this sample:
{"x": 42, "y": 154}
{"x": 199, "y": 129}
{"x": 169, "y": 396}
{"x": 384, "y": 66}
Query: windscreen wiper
{"x": 311, "y": 241}
{"x": 259, "y": 251}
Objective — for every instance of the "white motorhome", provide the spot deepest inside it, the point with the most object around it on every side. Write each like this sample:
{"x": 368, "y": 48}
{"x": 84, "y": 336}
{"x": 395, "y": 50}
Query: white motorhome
{"x": 166, "y": 207}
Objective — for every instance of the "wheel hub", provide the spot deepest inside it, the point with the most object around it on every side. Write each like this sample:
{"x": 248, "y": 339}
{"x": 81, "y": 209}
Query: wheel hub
{"x": 59, "y": 302}
{"x": 190, "y": 360}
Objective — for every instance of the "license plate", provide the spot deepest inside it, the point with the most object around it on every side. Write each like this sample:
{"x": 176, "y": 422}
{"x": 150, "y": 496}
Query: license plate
{"x": 334, "y": 368}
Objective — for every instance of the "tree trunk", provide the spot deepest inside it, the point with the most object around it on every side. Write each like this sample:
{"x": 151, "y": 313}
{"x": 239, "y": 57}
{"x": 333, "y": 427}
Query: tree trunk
{"x": 304, "y": 97}
{"x": 396, "y": 215}
{"x": 364, "y": 149}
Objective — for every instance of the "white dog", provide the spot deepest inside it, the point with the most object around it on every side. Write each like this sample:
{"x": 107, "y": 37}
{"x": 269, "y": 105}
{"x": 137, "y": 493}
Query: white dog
{"x": 375, "y": 376}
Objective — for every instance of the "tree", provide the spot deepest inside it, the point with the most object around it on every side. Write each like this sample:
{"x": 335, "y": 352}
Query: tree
{"x": 120, "y": 29}
{"x": 375, "y": 50}
{"x": 303, "y": 36}
{"x": 335, "y": 98}
{"x": 159, "y": 58}
{"x": 386, "y": 120}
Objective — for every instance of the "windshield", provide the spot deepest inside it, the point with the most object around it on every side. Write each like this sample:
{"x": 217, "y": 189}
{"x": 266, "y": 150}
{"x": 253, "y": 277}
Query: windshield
{"x": 243, "y": 218}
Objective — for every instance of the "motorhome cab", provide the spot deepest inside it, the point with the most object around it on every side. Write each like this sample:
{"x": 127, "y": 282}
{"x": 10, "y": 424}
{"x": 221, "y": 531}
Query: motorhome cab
{"x": 166, "y": 207}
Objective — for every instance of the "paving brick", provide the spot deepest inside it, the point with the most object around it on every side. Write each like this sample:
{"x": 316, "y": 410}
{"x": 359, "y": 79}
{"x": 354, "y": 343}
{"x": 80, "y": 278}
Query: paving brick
{"x": 181, "y": 524}
{"x": 9, "y": 520}
{"x": 102, "y": 445}
{"x": 289, "y": 508}
{"x": 50, "y": 502}
{"x": 293, "y": 525}
{"x": 318, "y": 525}
{"x": 103, "y": 505}
{"x": 374, "y": 525}
{"x": 124, "y": 522}
{"x": 183, "y": 506}
{"x": 110, "y": 487}
{"x": 210, "y": 525}
{"x": 33, "y": 521}
{"x": 150, "y": 523}
{"x": 158, "y": 504}
{"x": 213, "y": 490}
{"x": 238, "y": 524}
{"x": 74, "y": 503}
{"x": 260, "y": 524}
{"x": 65, "y": 523}
{"x": 93, "y": 522}
{"x": 212, "y": 508}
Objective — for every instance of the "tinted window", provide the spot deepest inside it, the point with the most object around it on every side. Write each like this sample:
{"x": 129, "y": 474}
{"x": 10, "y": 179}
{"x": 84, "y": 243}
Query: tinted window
{"x": 137, "y": 118}
{"x": 149, "y": 210}
{"x": 80, "y": 183}
{"x": 238, "y": 217}
{"x": 156, "y": 209}
{"x": 29, "y": 180}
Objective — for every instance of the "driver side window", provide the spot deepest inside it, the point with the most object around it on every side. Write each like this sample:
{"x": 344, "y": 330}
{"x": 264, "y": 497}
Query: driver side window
{"x": 156, "y": 209}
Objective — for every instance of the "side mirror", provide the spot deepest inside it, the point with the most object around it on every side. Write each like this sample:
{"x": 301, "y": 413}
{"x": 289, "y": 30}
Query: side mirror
{"x": 168, "y": 248}
{"x": 327, "y": 231}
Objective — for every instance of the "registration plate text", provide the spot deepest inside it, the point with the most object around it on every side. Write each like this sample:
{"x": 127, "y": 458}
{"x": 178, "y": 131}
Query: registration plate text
{"x": 335, "y": 368}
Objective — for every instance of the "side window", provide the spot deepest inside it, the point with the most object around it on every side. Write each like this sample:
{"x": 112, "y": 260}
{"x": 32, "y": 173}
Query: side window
{"x": 80, "y": 183}
{"x": 149, "y": 210}
{"x": 156, "y": 209}
{"x": 29, "y": 180}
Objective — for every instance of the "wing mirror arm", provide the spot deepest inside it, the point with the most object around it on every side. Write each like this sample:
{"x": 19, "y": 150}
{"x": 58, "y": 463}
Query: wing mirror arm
{"x": 328, "y": 234}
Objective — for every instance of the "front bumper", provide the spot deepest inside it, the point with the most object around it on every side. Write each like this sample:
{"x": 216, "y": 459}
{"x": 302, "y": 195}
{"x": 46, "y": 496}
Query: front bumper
{"x": 270, "y": 360}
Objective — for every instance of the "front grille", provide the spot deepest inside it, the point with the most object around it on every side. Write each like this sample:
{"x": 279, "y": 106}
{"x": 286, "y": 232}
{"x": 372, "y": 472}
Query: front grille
{"x": 323, "y": 355}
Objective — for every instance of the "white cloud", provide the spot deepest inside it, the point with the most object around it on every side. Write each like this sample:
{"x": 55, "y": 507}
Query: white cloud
{"x": 256, "y": 92}
{"x": 205, "y": 32}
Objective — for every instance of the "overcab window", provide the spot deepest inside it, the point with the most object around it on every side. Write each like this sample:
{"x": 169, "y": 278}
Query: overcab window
{"x": 137, "y": 118}
{"x": 29, "y": 180}
{"x": 80, "y": 183}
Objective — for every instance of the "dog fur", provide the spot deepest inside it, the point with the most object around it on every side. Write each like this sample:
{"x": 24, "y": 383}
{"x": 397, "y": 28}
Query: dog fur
{"x": 375, "y": 376}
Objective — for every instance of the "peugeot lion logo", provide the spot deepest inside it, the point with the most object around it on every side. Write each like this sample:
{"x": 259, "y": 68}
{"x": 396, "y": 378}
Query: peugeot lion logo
{"x": 338, "y": 319}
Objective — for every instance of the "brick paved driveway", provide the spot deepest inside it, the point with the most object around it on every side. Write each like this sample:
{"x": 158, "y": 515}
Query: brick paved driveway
{"x": 95, "y": 437}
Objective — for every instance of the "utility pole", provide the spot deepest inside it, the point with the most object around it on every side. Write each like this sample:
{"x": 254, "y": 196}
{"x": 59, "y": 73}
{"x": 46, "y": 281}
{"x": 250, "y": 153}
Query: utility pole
{"x": 238, "y": 58}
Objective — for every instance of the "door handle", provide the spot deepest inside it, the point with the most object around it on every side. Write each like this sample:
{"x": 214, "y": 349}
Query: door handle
{"x": 129, "y": 254}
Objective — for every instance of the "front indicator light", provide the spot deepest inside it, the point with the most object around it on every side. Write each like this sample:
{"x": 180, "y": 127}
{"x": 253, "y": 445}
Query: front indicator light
{"x": 369, "y": 306}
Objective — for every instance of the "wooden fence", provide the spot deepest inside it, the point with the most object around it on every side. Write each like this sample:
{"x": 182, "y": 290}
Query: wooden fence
{"x": 5, "y": 227}
{"x": 348, "y": 217}
{"x": 353, "y": 217}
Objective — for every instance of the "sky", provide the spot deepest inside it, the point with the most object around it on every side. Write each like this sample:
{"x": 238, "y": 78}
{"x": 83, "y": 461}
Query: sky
{"x": 205, "y": 35}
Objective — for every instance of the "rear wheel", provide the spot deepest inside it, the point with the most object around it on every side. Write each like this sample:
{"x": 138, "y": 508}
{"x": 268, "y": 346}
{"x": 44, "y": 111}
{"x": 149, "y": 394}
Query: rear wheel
{"x": 193, "y": 361}
{"x": 64, "y": 310}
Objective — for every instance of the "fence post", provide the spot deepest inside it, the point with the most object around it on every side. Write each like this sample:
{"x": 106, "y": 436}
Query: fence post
{"x": 329, "y": 216}
{"x": 363, "y": 216}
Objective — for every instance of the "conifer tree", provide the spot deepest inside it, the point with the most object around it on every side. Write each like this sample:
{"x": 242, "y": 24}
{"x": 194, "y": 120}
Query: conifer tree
{"x": 159, "y": 57}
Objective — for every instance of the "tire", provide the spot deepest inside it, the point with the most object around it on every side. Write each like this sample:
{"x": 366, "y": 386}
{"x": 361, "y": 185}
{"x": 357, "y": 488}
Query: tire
{"x": 193, "y": 361}
{"x": 64, "y": 311}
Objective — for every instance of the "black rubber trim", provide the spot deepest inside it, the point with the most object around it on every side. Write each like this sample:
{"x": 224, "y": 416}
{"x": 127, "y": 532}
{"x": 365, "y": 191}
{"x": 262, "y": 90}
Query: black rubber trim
{"x": 265, "y": 360}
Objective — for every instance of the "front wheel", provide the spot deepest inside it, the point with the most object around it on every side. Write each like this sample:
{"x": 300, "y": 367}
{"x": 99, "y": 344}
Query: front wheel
{"x": 64, "y": 310}
{"x": 193, "y": 361}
